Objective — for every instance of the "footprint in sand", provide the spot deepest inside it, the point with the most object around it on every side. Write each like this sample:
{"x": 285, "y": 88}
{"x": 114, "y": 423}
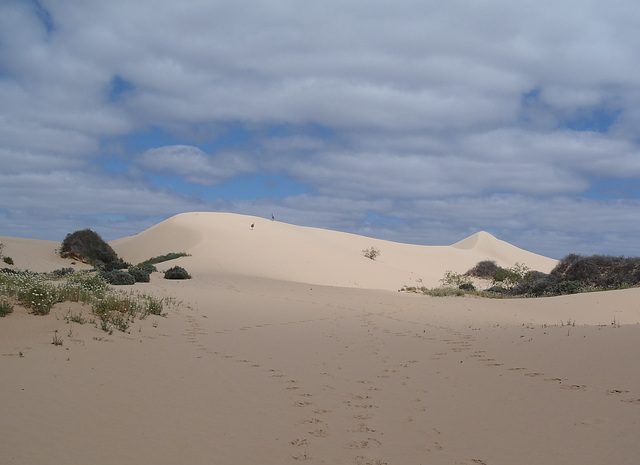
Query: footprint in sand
{"x": 365, "y": 444}
{"x": 360, "y": 460}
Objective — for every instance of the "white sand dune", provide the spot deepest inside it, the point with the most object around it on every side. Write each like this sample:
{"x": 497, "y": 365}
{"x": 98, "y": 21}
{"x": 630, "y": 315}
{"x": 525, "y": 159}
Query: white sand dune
{"x": 288, "y": 346}
{"x": 223, "y": 242}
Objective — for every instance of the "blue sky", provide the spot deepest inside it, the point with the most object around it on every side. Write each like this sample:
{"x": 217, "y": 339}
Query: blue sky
{"x": 417, "y": 121}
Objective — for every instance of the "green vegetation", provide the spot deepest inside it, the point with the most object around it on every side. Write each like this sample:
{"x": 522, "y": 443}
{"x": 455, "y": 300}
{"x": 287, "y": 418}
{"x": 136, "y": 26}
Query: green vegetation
{"x": 5, "y": 307}
{"x": 87, "y": 246}
{"x": 573, "y": 274}
{"x": 8, "y": 260}
{"x": 163, "y": 258}
{"x": 371, "y": 253}
{"x": 177, "y": 272}
{"x": 40, "y": 292}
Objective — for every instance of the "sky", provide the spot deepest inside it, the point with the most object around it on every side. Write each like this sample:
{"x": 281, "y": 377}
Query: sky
{"x": 415, "y": 121}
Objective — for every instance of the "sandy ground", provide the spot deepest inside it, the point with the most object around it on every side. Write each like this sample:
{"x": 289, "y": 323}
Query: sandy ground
{"x": 253, "y": 369}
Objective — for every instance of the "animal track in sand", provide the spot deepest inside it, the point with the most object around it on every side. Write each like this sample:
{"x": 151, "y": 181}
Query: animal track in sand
{"x": 616, "y": 391}
{"x": 575, "y": 387}
{"x": 360, "y": 460}
{"x": 319, "y": 433}
{"x": 365, "y": 444}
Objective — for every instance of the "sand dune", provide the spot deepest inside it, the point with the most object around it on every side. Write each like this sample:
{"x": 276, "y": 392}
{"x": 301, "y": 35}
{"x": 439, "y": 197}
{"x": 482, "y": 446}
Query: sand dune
{"x": 225, "y": 242}
{"x": 259, "y": 361}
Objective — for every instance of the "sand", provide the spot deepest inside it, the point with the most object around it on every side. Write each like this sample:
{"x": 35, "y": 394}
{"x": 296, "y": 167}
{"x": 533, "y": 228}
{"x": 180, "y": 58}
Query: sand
{"x": 276, "y": 353}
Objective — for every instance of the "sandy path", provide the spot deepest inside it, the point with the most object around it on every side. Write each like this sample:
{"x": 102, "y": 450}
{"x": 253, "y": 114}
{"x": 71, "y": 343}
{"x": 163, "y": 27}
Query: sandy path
{"x": 258, "y": 371}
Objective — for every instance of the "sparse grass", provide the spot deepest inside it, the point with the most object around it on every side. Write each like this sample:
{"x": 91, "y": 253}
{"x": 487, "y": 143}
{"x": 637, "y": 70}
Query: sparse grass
{"x": 75, "y": 318}
{"x": 5, "y": 307}
{"x": 57, "y": 340}
{"x": 445, "y": 292}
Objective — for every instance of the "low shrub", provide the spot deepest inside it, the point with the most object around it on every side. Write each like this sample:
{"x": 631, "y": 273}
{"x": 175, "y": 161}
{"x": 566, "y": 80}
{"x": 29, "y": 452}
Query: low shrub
{"x": 62, "y": 271}
{"x": 140, "y": 274}
{"x": 177, "y": 272}
{"x": 5, "y": 308}
{"x": 498, "y": 290}
{"x": 453, "y": 279}
{"x": 8, "y": 260}
{"x": 445, "y": 292}
{"x": 469, "y": 287}
{"x": 118, "y": 277}
{"x": 371, "y": 253}
{"x": 164, "y": 258}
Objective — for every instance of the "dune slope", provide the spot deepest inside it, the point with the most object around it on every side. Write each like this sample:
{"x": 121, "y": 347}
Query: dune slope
{"x": 224, "y": 242}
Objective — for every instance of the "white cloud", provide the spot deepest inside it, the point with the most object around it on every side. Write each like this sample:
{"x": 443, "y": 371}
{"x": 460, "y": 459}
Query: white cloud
{"x": 425, "y": 105}
{"x": 193, "y": 164}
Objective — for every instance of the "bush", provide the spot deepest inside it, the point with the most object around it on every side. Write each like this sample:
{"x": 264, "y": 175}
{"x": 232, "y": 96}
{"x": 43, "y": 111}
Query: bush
{"x": 469, "y": 287}
{"x": 62, "y": 272}
{"x": 140, "y": 274}
{"x": 444, "y": 292}
{"x": 371, "y": 253}
{"x": 8, "y": 260}
{"x": 498, "y": 290}
{"x": 176, "y": 272}
{"x": 118, "y": 277}
{"x": 164, "y": 258}
{"x": 5, "y": 308}
{"x": 485, "y": 269}
{"x": 453, "y": 279}
{"x": 599, "y": 271}
{"x": 87, "y": 246}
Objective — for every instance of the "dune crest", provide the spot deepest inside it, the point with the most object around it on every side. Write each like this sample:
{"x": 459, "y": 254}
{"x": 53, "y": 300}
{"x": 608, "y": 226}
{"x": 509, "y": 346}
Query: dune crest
{"x": 226, "y": 243}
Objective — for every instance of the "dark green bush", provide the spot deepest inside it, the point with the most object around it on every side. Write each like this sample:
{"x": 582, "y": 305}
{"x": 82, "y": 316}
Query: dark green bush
{"x": 599, "y": 271}
{"x": 467, "y": 287}
{"x": 140, "y": 274}
{"x": 8, "y": 260}
{"x": 147, "y": 267}
{"x": 62, "y": 271}
{"x": 164, "y": 258}
{"x": 87, "y": 246}
{"x": 498, "y": 290}
{"x": 176, "y": 272}
{"x": 484, "y": 269}
{"x": 118, "y": 277}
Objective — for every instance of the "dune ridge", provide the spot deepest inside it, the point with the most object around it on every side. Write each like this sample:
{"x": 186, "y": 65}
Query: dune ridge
{"x": 225, "y": 242}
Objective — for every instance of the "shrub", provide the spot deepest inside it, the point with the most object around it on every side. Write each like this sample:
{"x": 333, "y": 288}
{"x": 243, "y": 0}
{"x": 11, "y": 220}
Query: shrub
{"x": 147, "y": 267}
{"x": 176, "y": 272}
{"x": 87, "y": 246}
{"x": 444, "y": 292}
{"x": 62, "y": 271}
{"x": 8, "y": 260}
{"x": 484, "y": 269}
{"x": 118, "y": 277}
{"x": 38, "y": 295}
{"x": 469, "y": 287}
{"x": 453, "y": 279}
{"x": 371, "y": 253}
{"x": 498, "y": 290}
{"x": 5, "y": 308}
{"x": 118, "y": 264}
{"x": 164, "y": 258}
{"x": 140, "y": 274}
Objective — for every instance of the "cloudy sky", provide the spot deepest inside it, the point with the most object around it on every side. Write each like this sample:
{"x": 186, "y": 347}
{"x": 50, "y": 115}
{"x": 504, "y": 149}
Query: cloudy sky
{"x": 416, "y": 121}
